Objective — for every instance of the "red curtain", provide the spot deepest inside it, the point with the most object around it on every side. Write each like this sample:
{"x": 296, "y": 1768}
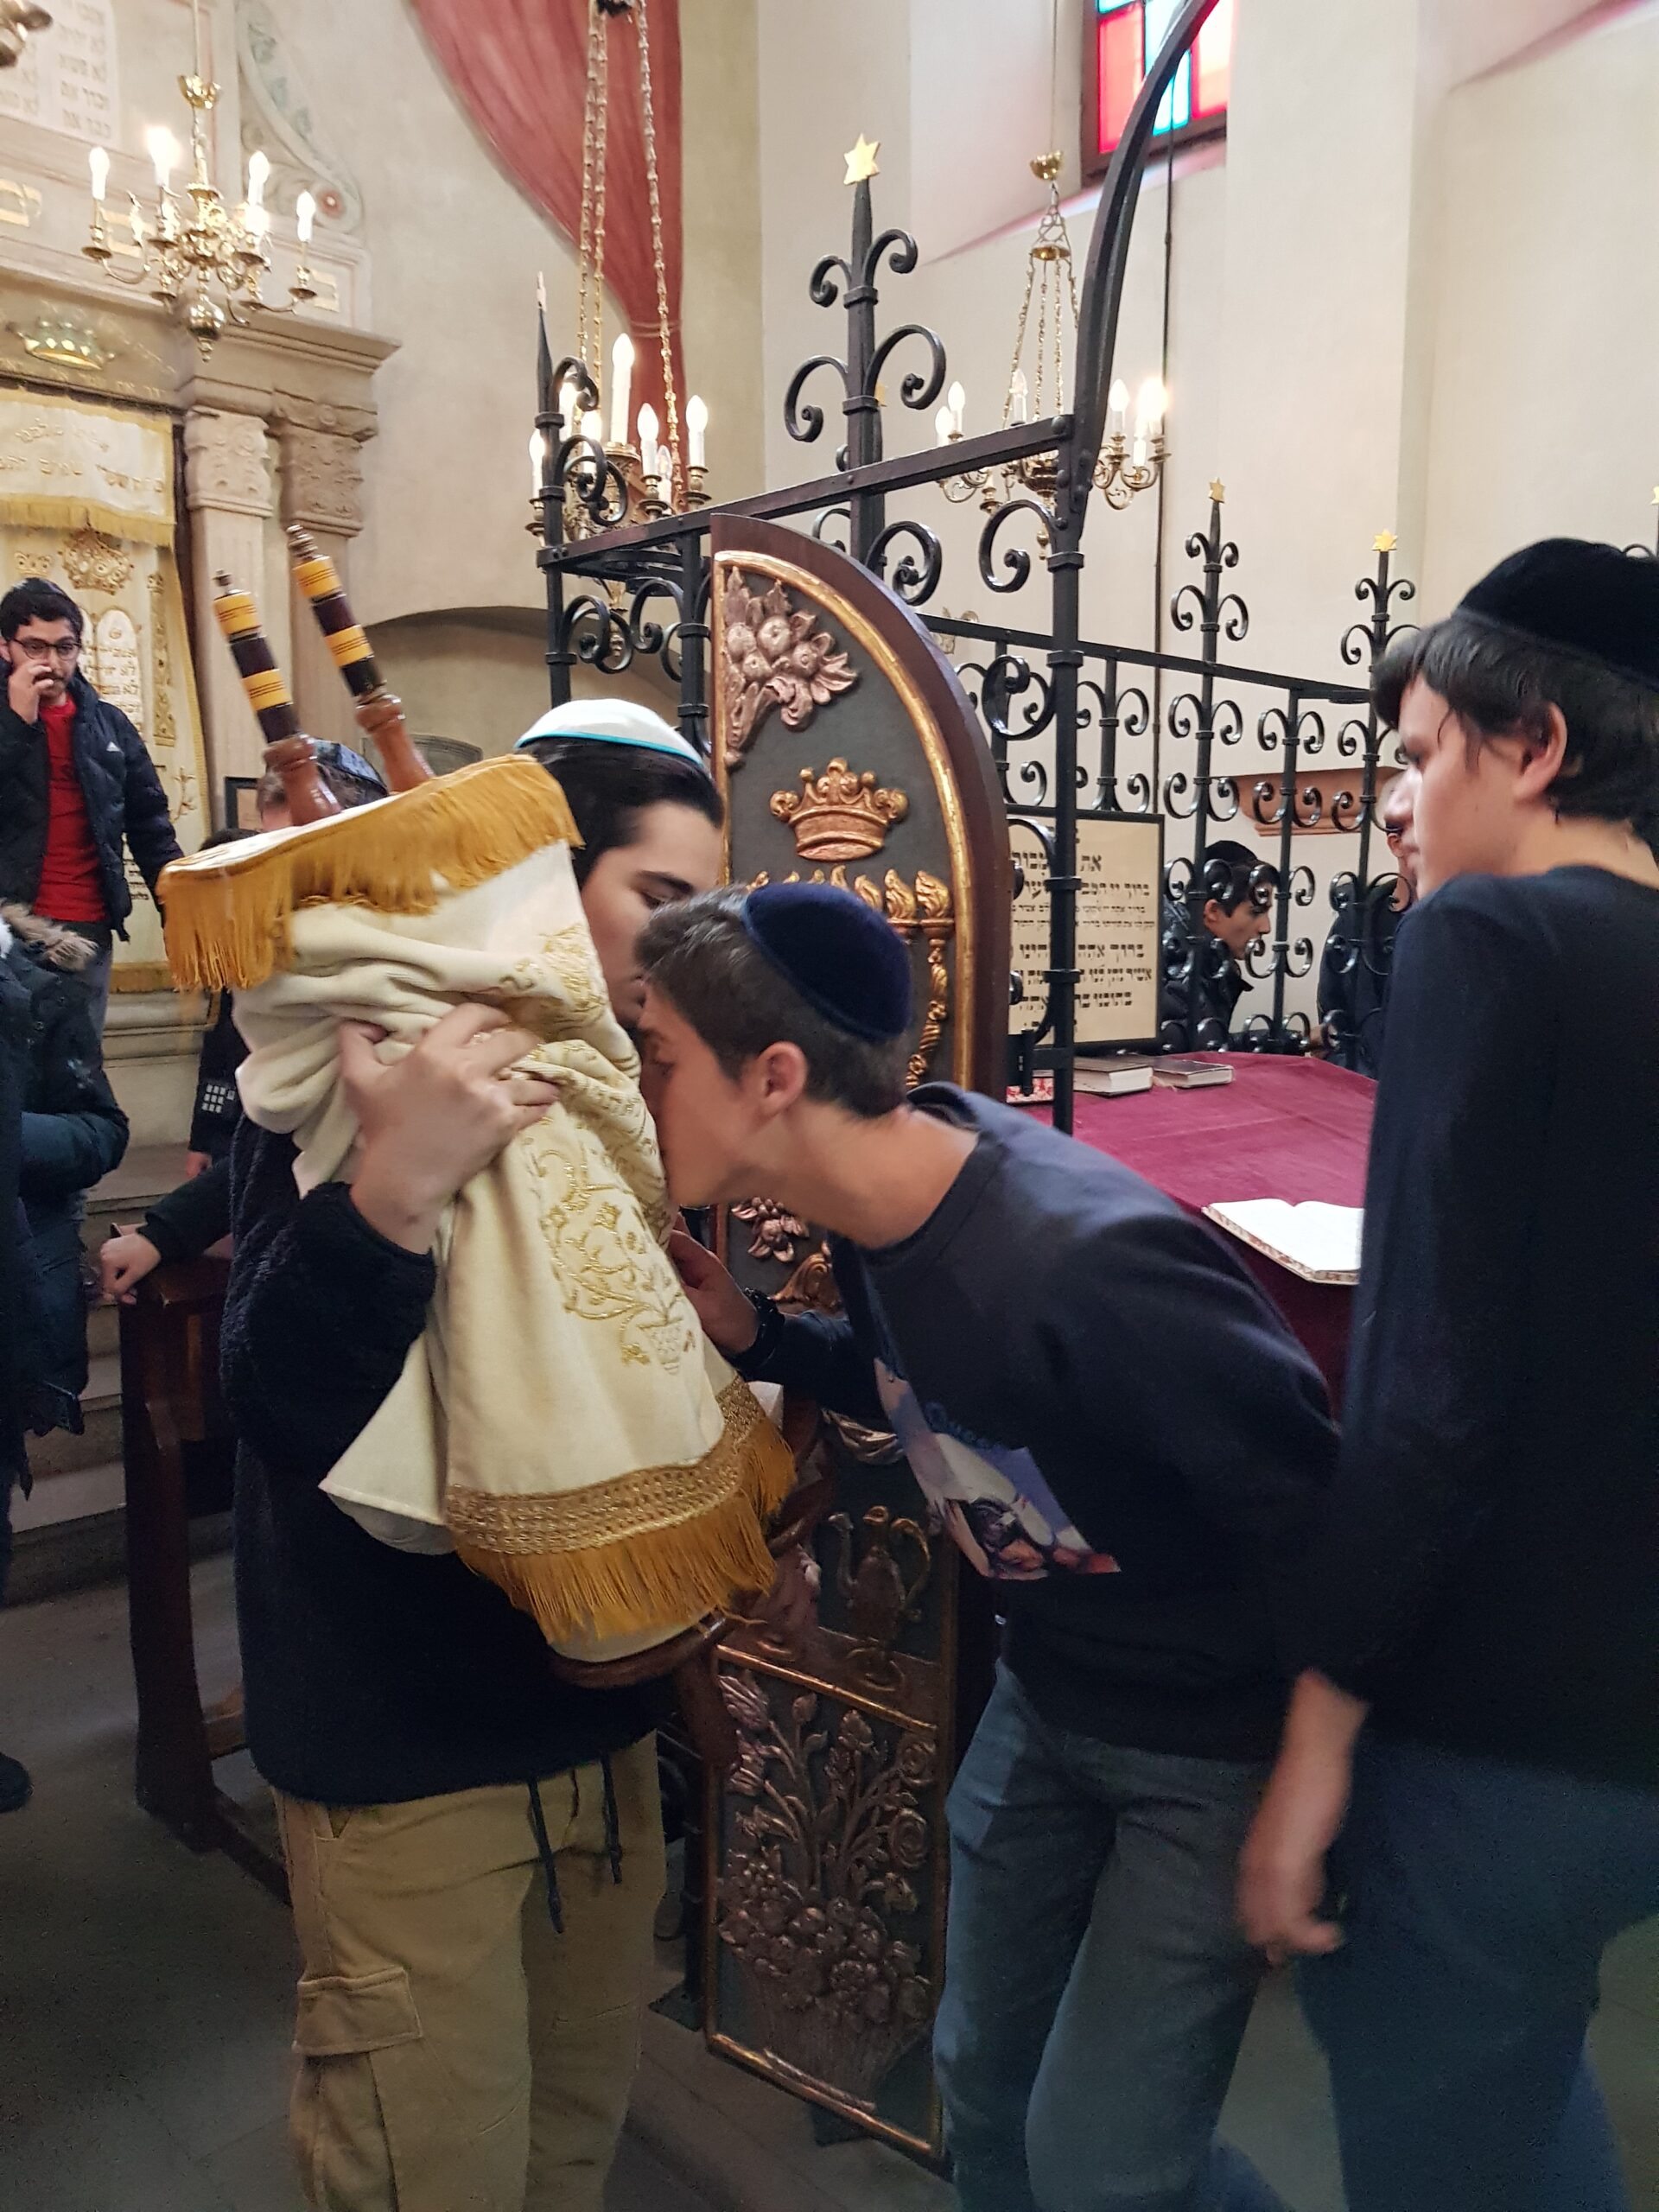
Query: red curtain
{"x": 520, "y": 69}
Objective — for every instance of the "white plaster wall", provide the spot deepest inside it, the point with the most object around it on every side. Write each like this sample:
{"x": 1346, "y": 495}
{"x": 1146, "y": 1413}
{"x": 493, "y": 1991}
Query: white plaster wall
{"x": 1546, "y": 385}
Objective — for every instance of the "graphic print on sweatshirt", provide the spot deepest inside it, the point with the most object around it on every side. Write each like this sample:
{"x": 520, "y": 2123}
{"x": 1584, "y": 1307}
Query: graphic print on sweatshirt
{"x": 991, "y": 1498}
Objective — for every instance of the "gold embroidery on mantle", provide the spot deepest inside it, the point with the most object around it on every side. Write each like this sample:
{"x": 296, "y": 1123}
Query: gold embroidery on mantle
{"x": 773, "y": 654}
{"x": 839, "y": 816}
{"x": 627, "y": 1505}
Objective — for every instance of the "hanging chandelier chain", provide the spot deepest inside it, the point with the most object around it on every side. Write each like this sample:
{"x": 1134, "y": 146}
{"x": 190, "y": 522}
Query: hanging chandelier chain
{"x": 589, "y": 299}
{"x": 670, "y": 397}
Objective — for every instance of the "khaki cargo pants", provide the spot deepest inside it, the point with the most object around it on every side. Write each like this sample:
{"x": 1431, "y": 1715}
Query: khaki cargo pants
{"x": 456, "y": 2054}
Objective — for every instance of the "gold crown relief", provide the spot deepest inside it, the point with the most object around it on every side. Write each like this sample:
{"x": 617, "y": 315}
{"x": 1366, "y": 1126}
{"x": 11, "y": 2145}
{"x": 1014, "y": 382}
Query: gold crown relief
{"x": 839, "y": 816}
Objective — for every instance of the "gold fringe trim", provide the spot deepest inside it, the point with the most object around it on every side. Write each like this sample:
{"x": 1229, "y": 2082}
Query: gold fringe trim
{"x": 646, "y": 1577}
{"x": 74, "y": 513}
{"x": 228, "y": 910}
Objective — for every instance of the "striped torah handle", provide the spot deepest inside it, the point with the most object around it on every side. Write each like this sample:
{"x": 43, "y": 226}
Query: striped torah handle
{"x": 288, "y": 749}
{"x": 353, "y": 655}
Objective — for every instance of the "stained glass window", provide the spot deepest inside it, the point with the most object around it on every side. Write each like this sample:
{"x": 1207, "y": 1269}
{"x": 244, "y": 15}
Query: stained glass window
{"x": 1124, "y": 32}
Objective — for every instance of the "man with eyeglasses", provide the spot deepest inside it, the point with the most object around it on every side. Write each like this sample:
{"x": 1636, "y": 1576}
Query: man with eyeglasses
{"x": 76, "y": 784}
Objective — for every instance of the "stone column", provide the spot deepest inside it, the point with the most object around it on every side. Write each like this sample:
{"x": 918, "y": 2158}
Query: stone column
{"x": 227, "y": 486}
{"x": 322, "y": 491}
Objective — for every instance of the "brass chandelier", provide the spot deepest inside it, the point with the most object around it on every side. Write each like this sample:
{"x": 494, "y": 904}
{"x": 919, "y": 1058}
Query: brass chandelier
{"x": 202, "y": 260}
{"x": 1128, "y": 461}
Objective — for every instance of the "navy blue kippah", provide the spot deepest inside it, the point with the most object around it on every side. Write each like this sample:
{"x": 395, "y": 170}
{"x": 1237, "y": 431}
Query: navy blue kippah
{"x": 844, "y": 959}
{"x": 1588, "y": 599}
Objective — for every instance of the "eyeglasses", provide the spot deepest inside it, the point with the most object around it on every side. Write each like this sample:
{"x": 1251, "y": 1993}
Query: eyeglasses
{"x": 37, "y": 649}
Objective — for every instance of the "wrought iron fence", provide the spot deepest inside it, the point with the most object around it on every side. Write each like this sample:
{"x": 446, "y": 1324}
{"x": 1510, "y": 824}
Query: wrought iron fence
{"x": 1069, "y": 720}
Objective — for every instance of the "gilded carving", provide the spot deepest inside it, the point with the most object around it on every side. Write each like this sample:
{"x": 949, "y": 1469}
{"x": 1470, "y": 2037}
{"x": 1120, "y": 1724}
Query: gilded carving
{"x": 839, "y": 816}
{"x": 878, "y": 1599}
{"x": 773, "y": 654}
{"x": 164, "y": 725}
{"x": 94, "y": 561}
{"x": 924, "y": 910}
{"x": 819, "y": 1866}
{"x": 775, "y": 1233}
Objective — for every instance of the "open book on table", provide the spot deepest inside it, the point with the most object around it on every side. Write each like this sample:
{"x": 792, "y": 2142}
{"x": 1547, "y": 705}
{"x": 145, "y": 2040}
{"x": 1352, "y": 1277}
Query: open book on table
{"x": 1318, "y": 1242}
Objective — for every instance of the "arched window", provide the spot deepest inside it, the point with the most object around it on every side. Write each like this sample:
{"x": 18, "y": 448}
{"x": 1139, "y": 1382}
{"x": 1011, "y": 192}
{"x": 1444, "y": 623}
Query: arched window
{"x": 1121, "y": 35}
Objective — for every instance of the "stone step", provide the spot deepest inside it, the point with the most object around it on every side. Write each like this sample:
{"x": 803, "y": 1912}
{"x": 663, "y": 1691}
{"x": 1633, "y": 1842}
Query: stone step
{"x": 69, "y": 1494}
{"x": 60, "y": 1453}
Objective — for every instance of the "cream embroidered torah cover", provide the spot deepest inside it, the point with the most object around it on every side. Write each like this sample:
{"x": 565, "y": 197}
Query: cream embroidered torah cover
{"x": 562, "y": 1421}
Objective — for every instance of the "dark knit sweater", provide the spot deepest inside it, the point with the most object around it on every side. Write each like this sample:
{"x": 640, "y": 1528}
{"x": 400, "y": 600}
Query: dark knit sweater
{"x": 372, "y": 1675}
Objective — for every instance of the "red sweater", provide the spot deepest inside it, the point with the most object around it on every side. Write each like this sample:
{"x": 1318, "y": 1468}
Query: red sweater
{"x": 72, "y": 883}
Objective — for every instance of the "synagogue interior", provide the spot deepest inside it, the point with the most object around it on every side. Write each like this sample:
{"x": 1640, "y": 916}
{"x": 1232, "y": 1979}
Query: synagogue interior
{"x": 1000, "y": 510}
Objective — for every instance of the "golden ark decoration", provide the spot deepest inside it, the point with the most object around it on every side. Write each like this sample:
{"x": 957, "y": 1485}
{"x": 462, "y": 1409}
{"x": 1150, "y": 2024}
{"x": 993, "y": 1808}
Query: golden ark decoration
{"x": 821, "y": 1864}
{"x": 879, "y": 1602}
{"x": 773, "y": 654}
{"x": 93, "y": 561}
{"x": 839, "y": 816}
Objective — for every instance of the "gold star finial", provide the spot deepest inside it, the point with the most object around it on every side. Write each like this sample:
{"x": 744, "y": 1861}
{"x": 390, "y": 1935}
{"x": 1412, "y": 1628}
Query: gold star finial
{"x": 1217, "y": 490}
{"x": 1384, "y": 542}
{"x": 861, "y": 163}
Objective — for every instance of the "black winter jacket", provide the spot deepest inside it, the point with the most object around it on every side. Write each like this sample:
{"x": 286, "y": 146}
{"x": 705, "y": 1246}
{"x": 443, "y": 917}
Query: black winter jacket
{"x": 125, "y": 803}
{"x": 71, "y": 1131}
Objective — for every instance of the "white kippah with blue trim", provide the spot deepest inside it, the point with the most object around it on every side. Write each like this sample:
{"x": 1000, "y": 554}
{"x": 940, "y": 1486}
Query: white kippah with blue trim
{"x": 611, "y": 721}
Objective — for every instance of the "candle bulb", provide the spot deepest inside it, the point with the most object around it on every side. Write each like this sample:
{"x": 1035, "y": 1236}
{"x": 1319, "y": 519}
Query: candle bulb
{"x": 537, "y": 456}
{"x": 305, "y": 214}
{"x": 1018, "y": 396}
{"x": 1149, "y": 409}
{"x": 696, "y": 424}
{"x": 98, "y": 163}
{"x": 258, "y": 221}
{"x": 135, "y": 221}
{"x": 593, "y": 426}
{"x": 621, "y": 376}
{"x": 1118, "y": 405}
{"x": 648, "y": 462}
{"x": 944, "y": 424}
{"x": 567, "y": 407}
{"x": 956, "y": 400}
{"x": 164, "y": 150}
{"x": 258, "y": 172}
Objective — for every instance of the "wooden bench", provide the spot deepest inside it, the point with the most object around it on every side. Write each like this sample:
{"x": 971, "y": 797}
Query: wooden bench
{"x": 179, "y": 1452}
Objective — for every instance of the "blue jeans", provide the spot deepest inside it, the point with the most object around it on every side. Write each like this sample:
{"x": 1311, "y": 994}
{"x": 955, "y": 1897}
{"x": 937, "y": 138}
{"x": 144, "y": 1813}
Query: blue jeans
{"x": 1479, "y": 1898}
{"x": 1096, "y": 1987}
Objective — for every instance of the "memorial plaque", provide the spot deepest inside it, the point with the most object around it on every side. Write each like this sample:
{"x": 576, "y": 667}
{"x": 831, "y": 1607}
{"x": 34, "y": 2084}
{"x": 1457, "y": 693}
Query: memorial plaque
{"x": 65, "y": 80}
{"x": 1119, "y": 864}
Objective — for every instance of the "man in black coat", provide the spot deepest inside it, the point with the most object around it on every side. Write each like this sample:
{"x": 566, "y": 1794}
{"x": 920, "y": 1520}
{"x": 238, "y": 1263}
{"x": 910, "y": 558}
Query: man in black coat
{"x": 76, "y": 784}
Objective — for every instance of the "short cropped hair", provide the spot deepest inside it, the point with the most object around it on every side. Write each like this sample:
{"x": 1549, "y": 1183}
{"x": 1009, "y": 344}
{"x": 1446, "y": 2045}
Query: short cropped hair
{"x": 607, "y": 787}
{"x": 347, "y": 787}
{"x": 36, "y": 599}
{"x": 700, "y": 957}
{"x": 1504, "y": 685}
{"x": 1225, "y": 874}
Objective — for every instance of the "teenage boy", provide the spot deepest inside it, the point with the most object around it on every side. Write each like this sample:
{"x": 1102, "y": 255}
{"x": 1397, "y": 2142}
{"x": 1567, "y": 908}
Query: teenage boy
{"x": 1120, "y": 1432}
{"x": 1209, "y": 934}
{"x": 1483, "y": 1703}
{"x": 76, "y": 784}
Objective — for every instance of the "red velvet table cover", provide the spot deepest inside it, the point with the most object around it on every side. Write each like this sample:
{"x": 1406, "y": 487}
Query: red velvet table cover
{"x": 1282, "y": 1129}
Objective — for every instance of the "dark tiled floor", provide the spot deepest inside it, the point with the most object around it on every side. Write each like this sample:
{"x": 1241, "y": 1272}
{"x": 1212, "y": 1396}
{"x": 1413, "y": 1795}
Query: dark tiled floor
{"x": 145, "y": 1993}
